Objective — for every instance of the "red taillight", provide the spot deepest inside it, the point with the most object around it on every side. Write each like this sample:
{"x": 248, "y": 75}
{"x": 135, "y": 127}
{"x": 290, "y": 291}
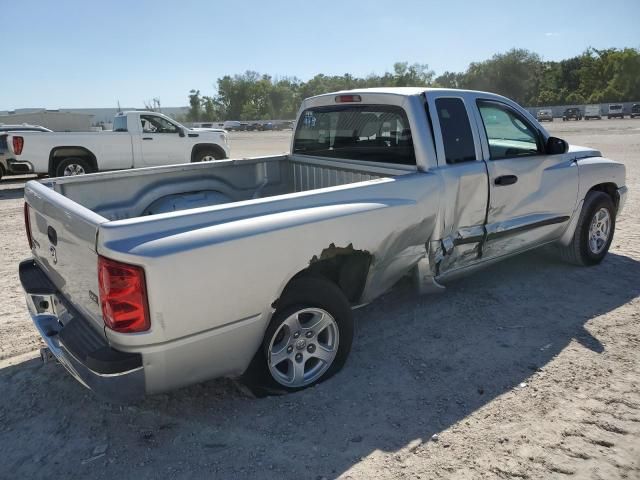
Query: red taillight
{"x": 18, "y": 143}
{"x": 27, "y": 225}
{"x": 123, "y": 296}
{"x": 348, "y": 98}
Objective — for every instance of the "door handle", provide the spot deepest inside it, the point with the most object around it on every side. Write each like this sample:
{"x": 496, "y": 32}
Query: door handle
{"x": 506, "y": 180}
{"x": 147, "y": 138}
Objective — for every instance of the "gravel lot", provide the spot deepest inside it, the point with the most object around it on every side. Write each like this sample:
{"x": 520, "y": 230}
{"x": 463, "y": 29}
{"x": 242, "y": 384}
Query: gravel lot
{"x": 528, "y": 369}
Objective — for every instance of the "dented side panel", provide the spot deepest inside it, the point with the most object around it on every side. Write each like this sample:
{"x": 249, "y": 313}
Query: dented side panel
{"x": 226, "y": 276}
{"x": 464, "y": 209}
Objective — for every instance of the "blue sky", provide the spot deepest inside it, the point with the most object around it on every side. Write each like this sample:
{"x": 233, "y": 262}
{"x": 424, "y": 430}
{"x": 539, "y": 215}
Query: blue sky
{"x": 92, "y": 54}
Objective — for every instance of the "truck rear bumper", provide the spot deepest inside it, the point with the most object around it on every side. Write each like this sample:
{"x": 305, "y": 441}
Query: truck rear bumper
{"x": 111, "y": 374}
{"x": 16, "y": 166}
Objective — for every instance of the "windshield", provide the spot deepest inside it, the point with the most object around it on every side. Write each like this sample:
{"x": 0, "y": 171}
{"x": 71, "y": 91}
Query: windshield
{"x": 376, "y": 133}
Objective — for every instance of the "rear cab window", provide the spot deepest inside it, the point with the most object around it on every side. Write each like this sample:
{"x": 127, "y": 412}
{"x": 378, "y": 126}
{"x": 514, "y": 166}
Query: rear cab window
{"x": 455, "y": 129}
{"x": 120, "y": 124}
{"x": 373, "y": 133}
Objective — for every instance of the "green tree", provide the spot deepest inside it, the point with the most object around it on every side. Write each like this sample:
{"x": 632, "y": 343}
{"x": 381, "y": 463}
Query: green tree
{"x": 509, "y": 74}
{"x": 595, "y": 76}
{"x": 195, "y": 103}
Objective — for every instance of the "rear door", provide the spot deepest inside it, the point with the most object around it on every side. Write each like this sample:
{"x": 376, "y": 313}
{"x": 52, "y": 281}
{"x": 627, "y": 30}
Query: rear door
{"x": 464, "y": 173}
{"x": 532, "y": 194}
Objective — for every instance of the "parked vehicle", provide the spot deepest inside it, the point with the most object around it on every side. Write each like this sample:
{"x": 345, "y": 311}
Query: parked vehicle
{"x": 592, "y": 112}
{"x": 152, "y": 279}
{"x": 232, "y": 126}
{"x": 138, "y": 139}
{"x": 7, "y": 164}
{"x": 282, "y": 126}
{"x": 545, "y": 115}
{"x": 635, "y": 110}
{"x": 615, "y": 111}
{"x": 571, "y": 114}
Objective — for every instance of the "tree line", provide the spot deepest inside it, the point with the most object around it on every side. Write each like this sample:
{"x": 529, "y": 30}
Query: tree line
{"x": 595, "y": 76}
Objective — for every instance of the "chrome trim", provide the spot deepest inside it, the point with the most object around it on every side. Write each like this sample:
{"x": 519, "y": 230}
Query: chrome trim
{"x": 124, "y": 386}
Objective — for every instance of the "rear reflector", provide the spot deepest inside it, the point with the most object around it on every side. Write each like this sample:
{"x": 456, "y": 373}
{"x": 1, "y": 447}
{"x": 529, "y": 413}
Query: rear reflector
{"x": 27, "y": 225}
{"x": 348, "y": 98}
{"x": 18, "y": 143}
{"x": 123, "y": 296}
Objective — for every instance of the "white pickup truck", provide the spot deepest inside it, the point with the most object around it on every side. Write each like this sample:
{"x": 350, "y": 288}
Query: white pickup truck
{"x": 152, "y": 279}
{"x": 138, "y": 139}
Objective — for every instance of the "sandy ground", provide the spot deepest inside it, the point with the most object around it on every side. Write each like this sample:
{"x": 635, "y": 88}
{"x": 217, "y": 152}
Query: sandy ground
{"x": 528, "y": 369}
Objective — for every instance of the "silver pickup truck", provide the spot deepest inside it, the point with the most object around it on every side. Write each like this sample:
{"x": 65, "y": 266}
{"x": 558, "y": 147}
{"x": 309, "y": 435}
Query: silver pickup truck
{"x": 146, "y": 280}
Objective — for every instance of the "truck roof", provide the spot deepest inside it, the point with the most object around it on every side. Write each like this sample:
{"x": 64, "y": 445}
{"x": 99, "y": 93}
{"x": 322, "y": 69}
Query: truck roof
{"x": 402, "y": 91}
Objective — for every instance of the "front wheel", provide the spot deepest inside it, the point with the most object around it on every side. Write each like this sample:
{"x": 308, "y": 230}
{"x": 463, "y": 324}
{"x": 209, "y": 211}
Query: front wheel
{"x": 307, "y": 341}
{"x": 594, "y": 231}
{"x": 208, "y": 155}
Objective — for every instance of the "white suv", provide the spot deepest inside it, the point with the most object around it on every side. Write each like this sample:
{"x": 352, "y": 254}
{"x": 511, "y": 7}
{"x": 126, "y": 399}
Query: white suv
{"x": 615, "y": 111}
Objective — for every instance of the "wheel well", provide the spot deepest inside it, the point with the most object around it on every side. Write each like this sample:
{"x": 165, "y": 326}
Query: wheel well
{"x": 610, "y": 189}
{"x": 201, "y": 147}
{"x": 343, "y": 266}
{"x": 60, "y": 153}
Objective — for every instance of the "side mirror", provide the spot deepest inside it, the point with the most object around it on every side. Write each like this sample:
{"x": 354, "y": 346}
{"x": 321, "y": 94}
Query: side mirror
{"x": 181, "y": 132}
{"x": 556, "y": 146}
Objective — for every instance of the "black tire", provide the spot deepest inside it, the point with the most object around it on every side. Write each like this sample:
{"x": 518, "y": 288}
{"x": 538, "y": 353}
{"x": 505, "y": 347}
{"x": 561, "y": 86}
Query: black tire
{"x": 305, "y": 292}
{"x": 1, "y": 171}
{"x": 63, "y": 164}
{"x": 208, "y": 152}
{"x": 578, "y": 251}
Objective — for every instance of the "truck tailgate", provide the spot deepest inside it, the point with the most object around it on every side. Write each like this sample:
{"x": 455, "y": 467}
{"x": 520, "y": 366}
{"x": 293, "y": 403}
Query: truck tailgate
{"x": 64, "y": 245}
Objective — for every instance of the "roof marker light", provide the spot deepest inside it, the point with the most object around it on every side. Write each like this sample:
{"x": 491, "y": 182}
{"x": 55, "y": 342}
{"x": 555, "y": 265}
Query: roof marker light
{"x": 348, "y": 98}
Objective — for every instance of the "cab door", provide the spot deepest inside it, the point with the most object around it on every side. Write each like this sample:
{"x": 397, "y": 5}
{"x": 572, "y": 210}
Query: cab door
{"x": 532, "y": 194}
{"x": 161, "y": 142}
{"x": 464, "y": 176}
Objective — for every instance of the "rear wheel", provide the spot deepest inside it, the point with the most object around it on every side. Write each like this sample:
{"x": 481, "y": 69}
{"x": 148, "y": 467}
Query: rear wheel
{"x": 72, "y": 166}
{"x": 308, "y": 339}
{"x": 1, "y": 172}
{"x": 594, "y": 231}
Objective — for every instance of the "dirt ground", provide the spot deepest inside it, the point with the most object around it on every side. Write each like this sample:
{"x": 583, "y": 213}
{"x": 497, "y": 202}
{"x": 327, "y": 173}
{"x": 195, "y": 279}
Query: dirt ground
{"x": 529, "y": 369}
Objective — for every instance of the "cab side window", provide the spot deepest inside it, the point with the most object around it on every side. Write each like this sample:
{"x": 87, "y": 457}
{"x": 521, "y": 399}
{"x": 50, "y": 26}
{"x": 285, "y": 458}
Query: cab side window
{"x": 153, "y": 124}
{"x": 456, "y": 130}
{"x": 509, "y": 134}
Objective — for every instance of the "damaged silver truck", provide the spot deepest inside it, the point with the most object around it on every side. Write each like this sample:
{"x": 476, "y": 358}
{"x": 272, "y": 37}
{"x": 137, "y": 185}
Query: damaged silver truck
{"x": 146, "y": 280}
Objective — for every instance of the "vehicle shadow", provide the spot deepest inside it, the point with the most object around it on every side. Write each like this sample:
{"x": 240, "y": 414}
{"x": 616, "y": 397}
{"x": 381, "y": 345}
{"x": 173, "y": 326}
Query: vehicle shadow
{"x": 418, "y": 366}
{"x": 17, "y": 179}
{"x": 11, "y": 193}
